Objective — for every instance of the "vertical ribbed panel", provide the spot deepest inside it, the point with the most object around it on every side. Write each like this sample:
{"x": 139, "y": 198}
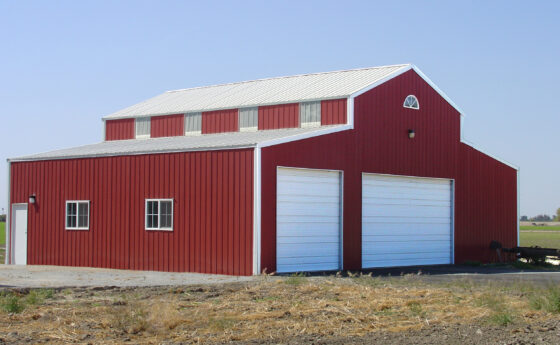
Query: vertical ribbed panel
{"x": 213, "y": 213}
{"x": 119, "y": 129}
{"x": 333, "y": 112}
{"x": 310, "y": 114}
{"x": 167, "y": 126}
{"x": 193, "y": 123}
{"x": 220, "y": 121}
{"x": 279, "y": 116}
{"x": 485, "y": 189}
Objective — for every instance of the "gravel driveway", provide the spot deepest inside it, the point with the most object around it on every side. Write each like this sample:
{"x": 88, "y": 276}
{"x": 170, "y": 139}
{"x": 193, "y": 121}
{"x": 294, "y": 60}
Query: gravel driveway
{"x": 58, "y": 276}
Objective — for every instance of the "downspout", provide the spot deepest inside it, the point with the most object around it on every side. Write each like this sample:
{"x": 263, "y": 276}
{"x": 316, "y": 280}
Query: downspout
{"x": 257, "y": 211}
{"x": 7, "y": 259}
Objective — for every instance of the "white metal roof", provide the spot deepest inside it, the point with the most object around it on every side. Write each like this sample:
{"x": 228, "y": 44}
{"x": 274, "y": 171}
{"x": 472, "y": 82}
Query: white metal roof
{"x": 292, "y": 89}
{"x": 231, "y": 140}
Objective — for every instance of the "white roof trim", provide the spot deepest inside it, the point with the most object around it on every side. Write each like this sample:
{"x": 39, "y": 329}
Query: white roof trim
{"x": 421, "y": 74}
{"x": 302, "y": 136}
{"x": 468, "y": 143}
{"x": 438, "y": 90}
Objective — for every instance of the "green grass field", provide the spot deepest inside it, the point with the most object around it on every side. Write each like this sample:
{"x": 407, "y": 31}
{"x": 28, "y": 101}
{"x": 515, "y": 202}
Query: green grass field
{"x": 545, "y": 228}
{"x": 545, "y": 239}
{"x": 2, "y": 233}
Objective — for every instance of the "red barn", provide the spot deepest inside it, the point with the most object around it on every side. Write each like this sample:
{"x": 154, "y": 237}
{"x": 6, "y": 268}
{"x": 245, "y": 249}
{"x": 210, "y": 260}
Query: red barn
{"x": 340, "y": 170}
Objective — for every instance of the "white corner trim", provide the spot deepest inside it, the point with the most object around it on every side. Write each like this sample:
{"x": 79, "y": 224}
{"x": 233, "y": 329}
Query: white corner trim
{"x": 466, "y": 142}
{"x": 7, "y": 259}
{"x": 302, "y": 136}
{"x": 104, "y": 130}
{"x": 257, "y": 212}
{"x": 350, "y": 112}
{"x": 518, "y": 205}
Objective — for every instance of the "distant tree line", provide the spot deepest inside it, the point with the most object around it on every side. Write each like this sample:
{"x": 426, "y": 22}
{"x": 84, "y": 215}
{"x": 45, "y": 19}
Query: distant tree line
{"x": 2, "y": 217}
{"x": 542, "y": 218}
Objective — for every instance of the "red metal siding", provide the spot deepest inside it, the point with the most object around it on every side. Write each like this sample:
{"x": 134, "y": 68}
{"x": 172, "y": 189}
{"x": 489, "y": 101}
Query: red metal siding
{"x": 167, "y": 126}
{"x": 279, "y": 116}
{"x": 119, "y": 129}
{"x": 485, "y": 189}
{"x": 220, "y": 121}
{"x": 213, "y": 211}
{"x": 333, "y": 112}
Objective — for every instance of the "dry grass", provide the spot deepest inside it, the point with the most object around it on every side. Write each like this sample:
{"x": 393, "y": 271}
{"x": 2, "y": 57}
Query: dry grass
{"x": 275, "y": 308}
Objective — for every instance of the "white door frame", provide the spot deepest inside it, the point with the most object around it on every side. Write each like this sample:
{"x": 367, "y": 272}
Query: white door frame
{"x": 13, "y": 219}
{"x": 341, "y": 214}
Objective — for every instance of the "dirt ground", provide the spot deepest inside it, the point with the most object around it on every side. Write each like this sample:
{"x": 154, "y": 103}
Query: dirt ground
{"x": 287, "y": 310}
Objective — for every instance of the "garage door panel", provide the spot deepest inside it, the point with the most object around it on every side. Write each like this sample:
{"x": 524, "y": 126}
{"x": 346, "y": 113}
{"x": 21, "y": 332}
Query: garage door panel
{"x": 404, "y": 247}
{"x": 406, "y": 256}
{"x": 308, "y": 238}
{"x": 400, "y": 229}
{"x": 405, "y": 221}
{"x": 371, "y": 201}
{"x": 393, "y": 181}
{"x": 297, "y": 198}
{"x": 308, "y": 209}
{"x": 408, "y": 211}
{"x": 394, "y": 262}
{"x": 404, "y": 237}
{"x": 303, "y": 250}
{"x": 308, "y": 220}
{"x": 301, "y": 266}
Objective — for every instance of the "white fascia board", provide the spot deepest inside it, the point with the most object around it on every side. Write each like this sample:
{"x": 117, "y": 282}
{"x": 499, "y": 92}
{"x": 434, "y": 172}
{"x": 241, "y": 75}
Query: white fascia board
{"x": 489, "y": 154}
{"x": 302, "y": 136}
{"x": 257, "y": 212}
{"x": 438, "y": 90}
{"x": 7, "y": 259}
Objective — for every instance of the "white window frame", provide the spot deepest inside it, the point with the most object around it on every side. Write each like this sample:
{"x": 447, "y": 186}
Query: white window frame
{"x": 159, "y": 228}
{"x": 248, "y": 129}
{"x": 143, "y": 136}
{"x": 190, "y": 133}
{"x": 409, "y": 106}
{"x": 77, "y": 202}
{"x": 301, "y": 110}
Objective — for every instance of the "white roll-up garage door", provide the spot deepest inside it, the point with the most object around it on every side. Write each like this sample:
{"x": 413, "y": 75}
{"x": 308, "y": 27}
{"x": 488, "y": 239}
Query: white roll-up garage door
{"x": 406, "y": 221}
{"x": 308, "y": 218}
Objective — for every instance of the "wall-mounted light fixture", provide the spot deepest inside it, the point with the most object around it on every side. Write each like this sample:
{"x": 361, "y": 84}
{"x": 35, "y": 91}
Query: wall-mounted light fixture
{"x": 411, "y": 134}
{"x": 32, "y": 198}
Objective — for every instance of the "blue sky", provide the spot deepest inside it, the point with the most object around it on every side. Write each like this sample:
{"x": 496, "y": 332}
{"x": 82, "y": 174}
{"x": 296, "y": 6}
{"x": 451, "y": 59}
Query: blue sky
{"x": 64, "y": 65}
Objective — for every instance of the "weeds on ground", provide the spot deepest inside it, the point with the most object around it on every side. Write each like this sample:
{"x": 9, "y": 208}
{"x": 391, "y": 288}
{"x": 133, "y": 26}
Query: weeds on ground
{"x": 13, "y": 302}
{"x": 547, "y": 300}
{"x": 296, "y": 279}
{"x": 500, "y": 313}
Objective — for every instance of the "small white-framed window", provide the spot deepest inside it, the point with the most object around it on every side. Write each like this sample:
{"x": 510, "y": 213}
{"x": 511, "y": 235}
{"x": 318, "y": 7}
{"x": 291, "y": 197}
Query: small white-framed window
{"x": 159, "y": 214}
{"x": 310, "y": 114}
{"x": 142, "y": 127}
{"x": 248, "y": 119}
{"x": 193, "y": 123}
{"x": 77, "y": 215}
{"x": 411, "y": 102}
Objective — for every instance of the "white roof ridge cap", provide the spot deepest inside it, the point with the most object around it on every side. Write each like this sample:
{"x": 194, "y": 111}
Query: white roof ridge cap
{"x": 289, "y": 76}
